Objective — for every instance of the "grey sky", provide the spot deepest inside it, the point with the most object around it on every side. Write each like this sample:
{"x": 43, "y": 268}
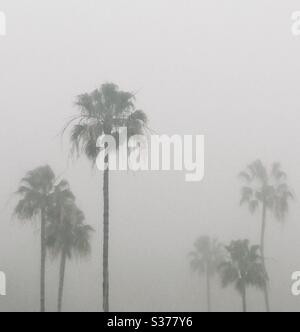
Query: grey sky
{"x": 226, "y": 69}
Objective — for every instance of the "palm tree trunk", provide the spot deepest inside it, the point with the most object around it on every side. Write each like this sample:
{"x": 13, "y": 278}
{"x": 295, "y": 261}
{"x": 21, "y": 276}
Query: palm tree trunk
{"x": 43, "y": 261}
{"x": 208, "y": 289}
{"x": 262, "y": 248}
{"x": 61, "y": 279}
{"x": 244, "y": 298}
{"x": 106, "y": 241}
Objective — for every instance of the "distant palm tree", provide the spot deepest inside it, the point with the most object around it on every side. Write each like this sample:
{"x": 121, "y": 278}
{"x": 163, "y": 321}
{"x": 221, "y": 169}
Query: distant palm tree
{"x": 67, "y": 236}
{"x": 35, "y": 190}
{"x": 243, "y": 268}
{"x": 104, "y": 112}
{"x": 269, "y": 191}
{"x": 205, "y": 259}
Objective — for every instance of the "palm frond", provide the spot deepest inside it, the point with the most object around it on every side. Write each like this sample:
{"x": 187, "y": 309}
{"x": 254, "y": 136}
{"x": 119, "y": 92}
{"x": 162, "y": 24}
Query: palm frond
{"x": 229, "y": 273}
{"x": 246, "y": 176}
{"x": 258, "y": 171}
{"x": 277, "y": 172}
{"x": 253, "y": 205}
{"x": 246, "y": 195}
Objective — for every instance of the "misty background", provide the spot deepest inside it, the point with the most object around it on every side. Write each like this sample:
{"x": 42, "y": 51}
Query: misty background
{"x": 225, "y": 69}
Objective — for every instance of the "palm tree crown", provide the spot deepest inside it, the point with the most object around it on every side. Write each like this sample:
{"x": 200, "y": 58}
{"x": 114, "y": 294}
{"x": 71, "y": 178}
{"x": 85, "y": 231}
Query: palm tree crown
{"x": 244, "y": 266}
{"x": 35, "y": 190}
{"x": 208, "y": 255}
{"x": 69, "y": 233}
{"x": 266, "y": 188}
{"x": 104, "y": 111}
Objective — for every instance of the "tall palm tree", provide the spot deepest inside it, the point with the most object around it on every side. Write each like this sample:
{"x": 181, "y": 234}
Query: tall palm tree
{"x": 268, "y": 191}
{"x": 104, "y": 112}
{"x": 243, "y": 268}
{"x": 205, "y": 259}
{"x": 67, "y": 236}
{"x": 35, "y": 190}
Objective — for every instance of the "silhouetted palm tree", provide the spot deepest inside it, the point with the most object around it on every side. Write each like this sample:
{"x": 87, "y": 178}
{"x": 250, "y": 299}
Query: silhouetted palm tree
{"x": 103, "y": 112}
{"x": 270, "y": 192}
{"x": 205, "y": 259}
{"x": 35, "y": 190}
{"x": 67, "y": 236}
{"x": 243, "y": 268}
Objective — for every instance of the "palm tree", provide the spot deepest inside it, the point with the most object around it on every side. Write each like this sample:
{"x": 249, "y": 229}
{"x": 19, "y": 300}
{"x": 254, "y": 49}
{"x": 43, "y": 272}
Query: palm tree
{"x": 205, "y": 259}
{"x": 243, "y": 268}
{"x": 104, "y": 112}
{"x": 67, "y": 236}
{"x": 35, "y": 190}
{"x": 270, "y": 192}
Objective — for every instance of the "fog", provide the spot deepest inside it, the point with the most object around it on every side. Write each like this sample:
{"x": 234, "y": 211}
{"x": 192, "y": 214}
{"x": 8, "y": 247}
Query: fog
{"x": 226, "y": 69}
